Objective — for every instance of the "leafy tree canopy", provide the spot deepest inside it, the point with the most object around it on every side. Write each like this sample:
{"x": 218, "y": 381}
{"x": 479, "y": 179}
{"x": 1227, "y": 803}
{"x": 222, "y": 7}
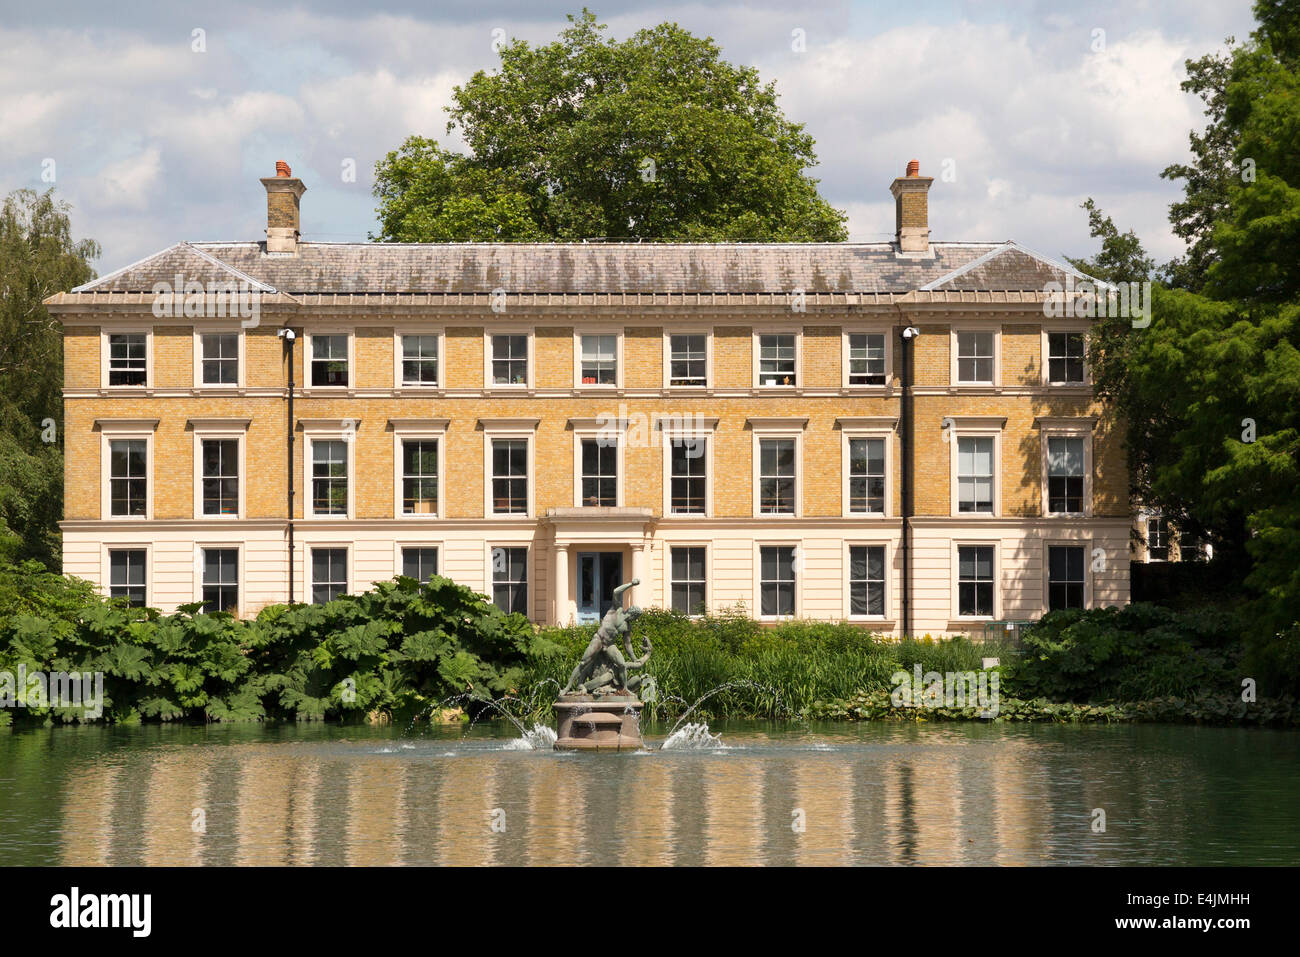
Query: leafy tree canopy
{"x": 653, "y": 137}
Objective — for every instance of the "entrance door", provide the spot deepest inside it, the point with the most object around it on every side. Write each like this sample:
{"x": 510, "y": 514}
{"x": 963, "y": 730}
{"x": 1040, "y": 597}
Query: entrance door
{"x": 599, "y": 573}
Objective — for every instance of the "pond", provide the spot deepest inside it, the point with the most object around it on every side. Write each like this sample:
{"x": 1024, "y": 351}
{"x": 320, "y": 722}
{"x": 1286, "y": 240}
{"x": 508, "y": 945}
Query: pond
{"x": 860, "y": 793}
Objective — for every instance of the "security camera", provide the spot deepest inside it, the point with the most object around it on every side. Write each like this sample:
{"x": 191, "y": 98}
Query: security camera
{"x": 911, "y": 332}
{"x": 287, "y": 334}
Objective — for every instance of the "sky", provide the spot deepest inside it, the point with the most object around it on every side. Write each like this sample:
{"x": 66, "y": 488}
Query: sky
{"x": 156, "y": 119}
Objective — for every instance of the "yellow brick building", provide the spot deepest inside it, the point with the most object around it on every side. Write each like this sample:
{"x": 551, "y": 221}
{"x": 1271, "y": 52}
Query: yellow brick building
{"x": 733, "y": 424}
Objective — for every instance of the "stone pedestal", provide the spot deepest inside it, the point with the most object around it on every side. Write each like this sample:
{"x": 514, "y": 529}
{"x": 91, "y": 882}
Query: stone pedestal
{"x": 589, "y": 723}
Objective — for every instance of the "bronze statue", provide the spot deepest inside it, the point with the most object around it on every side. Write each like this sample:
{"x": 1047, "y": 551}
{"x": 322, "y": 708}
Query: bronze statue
{"x": 603, "y": 667}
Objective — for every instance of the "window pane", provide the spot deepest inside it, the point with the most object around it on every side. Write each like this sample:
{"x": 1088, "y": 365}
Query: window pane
{"x": 1065, "y": 576}
{"x": 688, "y": 582}
{"x": 220, "y": 359}
{"x": 221, "y": 580}
{"x": 510, "y": 359}
{"x": 777, "y": 581}
{"x": 599, "y": 473}
{"x": 329, "y": 574}
{"x": 128, "y": 479}
{"x": 127, "y": 360}
{"x": 599, "y": 360}
{"x": 866, "y": 475}
{"x": 975, "y": 474}
{"x": 420, "y": 477}
{"x": 975, "y": 356}
{"x": 688, "y": 473}
{"x": 866, "y": 359}
{"x": 330, "y": 477}
{"x": 220, "y": 461}
{"x": 420, "y": 360}
{"x": 1065, "y": 356}
{"x": 510, "y": 476}
{"x": 126, "y": 575}
{"x": 776, "y": 360}
{"x": 975, "y": 580}
{"x": 867, "y": 580}
{"x": 329, "y": 360}
{"x": 510, "y": 579}
{"x": 688, "y": 360}
{"x": 420, "y": 563}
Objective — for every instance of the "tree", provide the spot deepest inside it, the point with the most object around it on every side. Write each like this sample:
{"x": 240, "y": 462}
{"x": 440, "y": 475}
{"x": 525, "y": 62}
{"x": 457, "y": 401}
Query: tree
{"x": 38, "y": 257}
{"x": 654, "y": 137}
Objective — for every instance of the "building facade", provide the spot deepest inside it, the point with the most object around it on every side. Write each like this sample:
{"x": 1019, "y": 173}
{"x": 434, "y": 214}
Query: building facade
{"x": 895, "y": 434}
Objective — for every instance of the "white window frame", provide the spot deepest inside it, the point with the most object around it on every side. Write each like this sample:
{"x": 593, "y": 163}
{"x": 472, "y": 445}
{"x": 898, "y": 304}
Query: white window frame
{"x": 106, "y": 566}
{"x": 708, "y": 573}
{"x": 329, "y": 431}
{"x": 707, "y": 333}
{"x": 220, "y": 329}
{"x": 202, "y": 546}
{"x": 578, "y": 334}
{"x": 216, "y": 429}
{"x": 509, "y": 429}
{"x": 955, "y": 595}
{"x": 438, "y": 333}
{"x": 309, "y": 582}
{"x": 975, "y": 427}
{"x": 307, "y": 351}
{"x": 1058, "y": 428}
{"x": 125, "y": 429}
{"x": 859, "y": 429}
{"x": 415, "y": 430}
{"x": 530, "y": 375}
{"x": 104, "y": 333}
{"x": 1087, "y": 545}
{"x": 670, "y": 431}
{"x": 776, "y": 428}
{"x": 955, "y": 331}
{"x": 798, "y": 546}
{"x": 870, "y": 330}
{"x": 847, "y": 596}
{"x": 530, "y": 569}
{"x": 756, "y": 348}
{"x": 1079, "y": 328}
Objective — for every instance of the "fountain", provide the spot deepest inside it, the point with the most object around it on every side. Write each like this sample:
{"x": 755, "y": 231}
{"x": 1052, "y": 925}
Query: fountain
{"x": 600, "y": 708}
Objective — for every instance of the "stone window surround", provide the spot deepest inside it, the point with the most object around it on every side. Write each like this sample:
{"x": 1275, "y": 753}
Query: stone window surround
{"x": 777, "y": 427}
{"x": 439, "y": 331}
{"x": 117, "y": 429}
{"x": 326, "y": 430}
{"x": 975, "y": 426}
{"x": 414, "y": 429}
{"x": 220, "y": 329}
{"x": 1080, "y": 427}
{"x": 130, "y": 330}
{"x": 200, "y": 547}
{"x": 757, "y": 577}
{"x": 1066, "y": 538}
{"x": 688, "y": 329}
{"x": 668, "y": 571}
{"x": 849, "y": 329}
{"x": 530, "y": 373}
{"x": 867, "y": 427}
{"x": 509, "y": 429}
{"x": 306, "y": 387}
{"x": 218, "y": 428}
{"x": 670, "y": 429}
{"x": 955, "y": 595}
{"x": 596, "y": 330}
{"x": 887, "y": 619}
{"x": 1048, "y": 326}
{"x": 959, "y": 326}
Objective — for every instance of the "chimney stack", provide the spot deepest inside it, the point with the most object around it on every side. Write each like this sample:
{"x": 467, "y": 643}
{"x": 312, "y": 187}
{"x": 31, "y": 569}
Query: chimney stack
{"x": 912, "y": 210}
{"x": 283, "y": 191}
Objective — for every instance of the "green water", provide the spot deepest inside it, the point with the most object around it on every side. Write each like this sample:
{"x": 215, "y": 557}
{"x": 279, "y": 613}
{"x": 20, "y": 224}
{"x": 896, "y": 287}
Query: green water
{"x": 872, "y": 793}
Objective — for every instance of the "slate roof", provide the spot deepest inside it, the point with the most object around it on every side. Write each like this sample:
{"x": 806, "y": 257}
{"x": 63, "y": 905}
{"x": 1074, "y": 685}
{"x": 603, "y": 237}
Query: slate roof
{"x": 587, "y": 268}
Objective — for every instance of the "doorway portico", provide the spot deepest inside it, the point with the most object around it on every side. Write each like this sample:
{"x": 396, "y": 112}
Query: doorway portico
{"x": 594, "y": 549}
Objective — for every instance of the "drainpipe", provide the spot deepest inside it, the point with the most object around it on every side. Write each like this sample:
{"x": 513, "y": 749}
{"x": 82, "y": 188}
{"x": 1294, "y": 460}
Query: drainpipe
{"x": 288, "y": 336}
{"x": 907, "y": 435}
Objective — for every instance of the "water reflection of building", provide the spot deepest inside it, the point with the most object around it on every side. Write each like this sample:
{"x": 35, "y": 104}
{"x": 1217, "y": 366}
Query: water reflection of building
{"x": 912, "y": 797}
